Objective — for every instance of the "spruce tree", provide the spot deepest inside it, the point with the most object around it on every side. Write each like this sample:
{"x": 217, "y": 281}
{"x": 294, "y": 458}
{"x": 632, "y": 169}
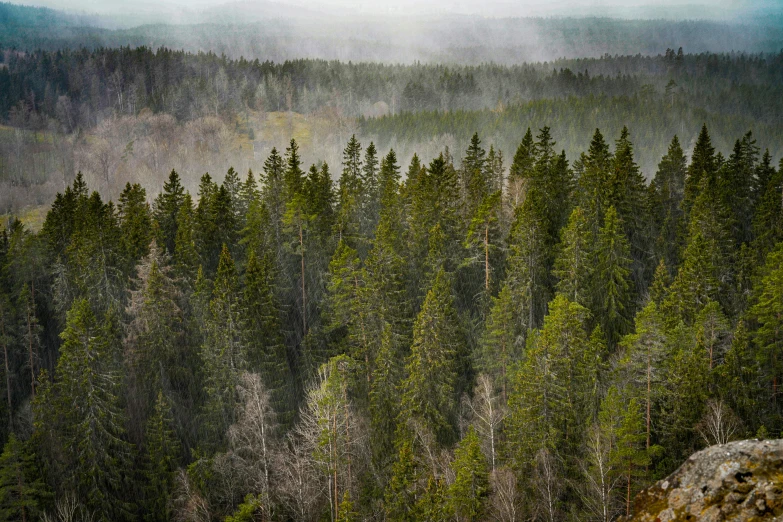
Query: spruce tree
{"x": 767, "y": 312}
{"x": 266, "y": 349}
{"x": 612, "y": 286}
{"x": 703, "y": 165}
{"x": 429, "y": 389}
{"x": 224, "y": 352}
{"x": 572, "y": 267}
{"x": 88, "y": 392}
{"x": 162, "y": 455}
{"x": 165, "y": 210}
{"x": 468, "y": 493}
{"x": 666, "y": 201}
{"x": 23, "y": 494}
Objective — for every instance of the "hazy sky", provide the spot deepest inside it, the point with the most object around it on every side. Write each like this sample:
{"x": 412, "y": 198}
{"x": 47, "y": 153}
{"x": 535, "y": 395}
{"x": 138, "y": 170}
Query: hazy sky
{"x": 634, "y": 8}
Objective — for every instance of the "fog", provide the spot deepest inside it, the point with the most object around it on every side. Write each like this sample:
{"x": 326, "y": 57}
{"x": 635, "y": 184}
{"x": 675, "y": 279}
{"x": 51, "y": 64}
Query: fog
{"x": 191, "y": 11}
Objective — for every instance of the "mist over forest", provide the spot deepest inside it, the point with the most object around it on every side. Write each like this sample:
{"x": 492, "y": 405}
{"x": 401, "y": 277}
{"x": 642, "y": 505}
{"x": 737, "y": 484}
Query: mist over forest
{"x": 393, "y": 262}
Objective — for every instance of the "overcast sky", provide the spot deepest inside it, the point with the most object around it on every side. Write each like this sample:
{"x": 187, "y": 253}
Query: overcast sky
{"x": 725, "y": 9}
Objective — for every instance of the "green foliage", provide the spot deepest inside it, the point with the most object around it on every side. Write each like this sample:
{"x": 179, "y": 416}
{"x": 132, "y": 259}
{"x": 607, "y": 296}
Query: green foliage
{"x": 23, "y": 495}
{"x": 429, "y": 390}
{"x": 467, "y": 494}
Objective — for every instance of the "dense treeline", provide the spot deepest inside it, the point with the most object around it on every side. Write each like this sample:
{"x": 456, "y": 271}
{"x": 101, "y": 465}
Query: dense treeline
{"x": 473, "y": 342}
{"x": 80, "y": 88}
{"x": 279, "y": 32}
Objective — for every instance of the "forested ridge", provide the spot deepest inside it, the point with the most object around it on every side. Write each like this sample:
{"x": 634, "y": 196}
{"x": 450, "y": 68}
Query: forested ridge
{"x": 463, "y": 341}
{"x": 126, "y": 115}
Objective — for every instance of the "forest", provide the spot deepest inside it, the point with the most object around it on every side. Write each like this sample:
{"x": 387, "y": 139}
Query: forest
{"x": 455, "y": 339}
{"x": 123, "y": 115}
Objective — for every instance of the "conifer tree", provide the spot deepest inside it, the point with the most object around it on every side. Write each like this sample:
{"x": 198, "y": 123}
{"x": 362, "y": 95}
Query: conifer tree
{"x": 224, "y": 352}
{"x": 266, "y": 350}
{"x": 93, "y": 434}
{"x": 403, "y": 488}
{"x": 666, "y": 194}
{"x": 628, "y": 195}
{"x": 521, "y": 170}
{"x": 572, "y": 267}
{"x": 273, "y": 194}
{"x": 468, "y": 493}
{"x": 703, "y": 165}
{"x": 475, "y": 184}
{"x": 630, "y": 456}
{"x": 527, "y": 272}
{"x": 162, "y": 456}
{"x": 740, "y": 380}
{"x": 483, "y": 240}
{"x": 23, "y": 494}
{"x": 429, "y": 389}
{"x": 544, "y": 403}
{"x": 612, "y": 278}
{"x": 500, "y": 344}
{"x": 593, "y": 183}
{"x": 293, "y": 176}
{"x": 645, "y": 352}
{"x": 165, "y": 210}
{"x": 768, "y": 218}
{"x": 768, "y": 313}
{"x": 185, "y": 255}
{"x": 155, "y": 355}
{"x": 384, "y": 396}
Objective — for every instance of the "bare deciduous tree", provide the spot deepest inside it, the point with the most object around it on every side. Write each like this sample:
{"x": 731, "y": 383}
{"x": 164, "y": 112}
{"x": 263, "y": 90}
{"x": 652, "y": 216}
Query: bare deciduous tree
{"x": 719, "y": 425}
{"x": 504, "y": 502}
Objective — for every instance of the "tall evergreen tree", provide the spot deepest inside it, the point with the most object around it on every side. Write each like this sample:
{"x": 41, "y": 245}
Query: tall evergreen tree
{"x": 165, "y": 210}
{"x": 612, "y": 286}
{"x": 88, "y": 394}
{"x": 429, "y": 390}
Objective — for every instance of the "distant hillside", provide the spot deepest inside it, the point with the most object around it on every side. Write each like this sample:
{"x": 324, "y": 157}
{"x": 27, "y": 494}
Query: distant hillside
{"x": 271, "y": 31}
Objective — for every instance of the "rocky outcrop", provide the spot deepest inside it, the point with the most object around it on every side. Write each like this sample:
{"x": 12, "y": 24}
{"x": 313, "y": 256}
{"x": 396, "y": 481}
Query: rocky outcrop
{"x": 739, "y": 481}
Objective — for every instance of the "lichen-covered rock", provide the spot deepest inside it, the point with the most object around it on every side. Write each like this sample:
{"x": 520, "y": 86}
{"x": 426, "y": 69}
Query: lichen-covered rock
{"x": 739, "y": 481}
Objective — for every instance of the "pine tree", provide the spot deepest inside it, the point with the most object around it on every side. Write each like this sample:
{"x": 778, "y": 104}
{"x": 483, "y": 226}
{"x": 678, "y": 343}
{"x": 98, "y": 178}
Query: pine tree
{"x": 429, "y": 390}
{"x": 630, "y": 456}
{"x": 468, "y": 493}
{"x": 645, "y": 352}
{"x": 483, "y": 240}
